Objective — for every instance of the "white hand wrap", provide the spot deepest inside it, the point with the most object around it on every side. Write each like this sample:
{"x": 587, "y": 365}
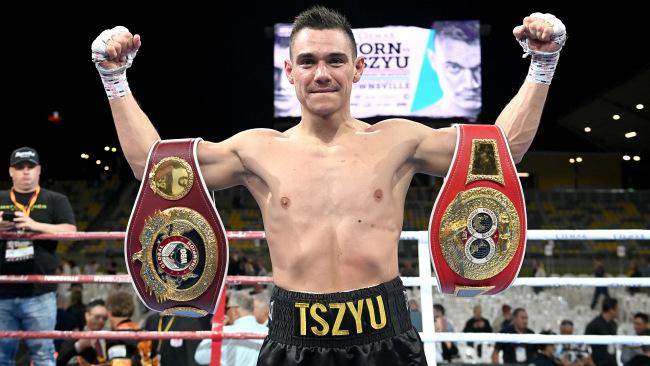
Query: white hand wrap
{"x": 114, "y": 80}
{"x": 543, "y": 64}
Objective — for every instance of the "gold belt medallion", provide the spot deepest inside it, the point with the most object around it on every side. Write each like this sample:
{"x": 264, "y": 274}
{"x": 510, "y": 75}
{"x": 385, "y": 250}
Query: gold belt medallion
{"x": 178, "y": 254}
{"x": 479, "y": 233}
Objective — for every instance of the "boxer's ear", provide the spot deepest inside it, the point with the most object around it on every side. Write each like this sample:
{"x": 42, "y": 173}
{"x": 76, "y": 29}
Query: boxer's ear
{"x": 359, "y": 66}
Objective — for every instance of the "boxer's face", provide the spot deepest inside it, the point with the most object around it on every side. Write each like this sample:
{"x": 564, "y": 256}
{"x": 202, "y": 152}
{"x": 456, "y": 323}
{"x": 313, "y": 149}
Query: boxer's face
{"x": 322, "y": 69}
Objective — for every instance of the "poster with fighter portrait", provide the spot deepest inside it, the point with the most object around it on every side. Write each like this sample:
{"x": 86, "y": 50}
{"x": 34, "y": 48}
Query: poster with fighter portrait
{"x": 409, "y": 71}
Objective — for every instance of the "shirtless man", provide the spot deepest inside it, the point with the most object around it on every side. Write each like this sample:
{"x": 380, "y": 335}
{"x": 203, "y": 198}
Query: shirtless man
{"x": 331, "y": 190}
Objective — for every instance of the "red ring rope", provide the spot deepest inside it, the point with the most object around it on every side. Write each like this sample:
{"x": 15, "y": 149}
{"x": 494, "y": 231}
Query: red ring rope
{"x": 232, "y": 280}
{"x": 105, "y": 334}
{"x": 112, "y": 235}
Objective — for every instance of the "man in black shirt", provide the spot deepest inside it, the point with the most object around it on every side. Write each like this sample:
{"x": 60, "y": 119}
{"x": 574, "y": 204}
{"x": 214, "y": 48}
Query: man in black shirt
{"x": 604, "y": 324}
{"x": 546, "y": 355}
{"x": 641, "y": 324}
{"x": 516, "y": 353}
{"x": 173, "y": 351}
{"x": 477, "y": 324}
{"x": 642, "y": 359}
{"x": 93, "y": 351}
{"x": 27, "y": 207}
{"x": 599, "y": 271}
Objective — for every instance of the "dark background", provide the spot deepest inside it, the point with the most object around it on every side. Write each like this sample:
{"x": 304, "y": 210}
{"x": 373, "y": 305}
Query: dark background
{"x": 206, "y": 69}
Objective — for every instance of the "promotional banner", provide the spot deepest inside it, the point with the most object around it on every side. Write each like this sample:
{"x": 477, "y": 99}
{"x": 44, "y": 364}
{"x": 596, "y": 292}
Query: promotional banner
{"x": 409, "y": 71}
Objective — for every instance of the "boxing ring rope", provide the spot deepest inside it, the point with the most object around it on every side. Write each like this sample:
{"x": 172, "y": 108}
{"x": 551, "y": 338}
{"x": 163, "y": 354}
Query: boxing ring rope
{"x": 614, "y": 234}
{"x": 112, "y": 235}
{"x": 425, "y": 281}
{"x": 408, "y": 281}
{"x": 436, "y": 337}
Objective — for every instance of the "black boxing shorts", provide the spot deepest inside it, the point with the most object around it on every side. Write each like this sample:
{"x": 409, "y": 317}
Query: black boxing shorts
{"x": 369, "y": 326}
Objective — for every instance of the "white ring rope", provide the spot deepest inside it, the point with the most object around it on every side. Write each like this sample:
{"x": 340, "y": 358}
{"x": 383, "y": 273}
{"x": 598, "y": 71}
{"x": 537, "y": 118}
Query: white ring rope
{"x": 535, "y": 338}
{"x": 554, "y": 281}
{"x": 617, "y": 234}
{"x": 614, "y": 234}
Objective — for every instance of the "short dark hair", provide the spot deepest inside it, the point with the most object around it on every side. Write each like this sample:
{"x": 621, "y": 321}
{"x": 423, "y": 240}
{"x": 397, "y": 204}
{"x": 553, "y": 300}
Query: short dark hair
{"x": 92, "y": 304}
{"x": 642, "y": 316}
{"x": 76, "y": 297}
{"x": 440, "y": 308}
{"x": 609, "y": 304}
{"x": 465, "y": 31}
{"x": 320, "y": 17}
{"x": 120, "y": 304}
{"x": 566, "y": 322}
{"x": 517, "y": 311}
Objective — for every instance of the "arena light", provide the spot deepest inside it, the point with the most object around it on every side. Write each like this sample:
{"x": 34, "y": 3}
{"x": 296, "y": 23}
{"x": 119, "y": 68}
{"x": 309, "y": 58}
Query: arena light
{"x": 106, "y": 148}
{"x": 626, "y": 157}
{"x": 98, "y": 162}
{"x": 639, "y": 106}
{"x": 616, "y": 117}
{"x": 113, "y": 149}
{"x": 106, "y": 167}
{"x": 578, "y": 160}
{"x": 572, "y": 160}
{"x": 587, "y": 129}
{"x": 636, "y": 158}
{"x": 55, "y": 117}
{"x": 523, "y": 174}
{"x": 630, "y": 134}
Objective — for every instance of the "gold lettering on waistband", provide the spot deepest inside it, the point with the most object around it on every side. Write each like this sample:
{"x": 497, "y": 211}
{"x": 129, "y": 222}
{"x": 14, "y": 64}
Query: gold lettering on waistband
{"x": 339, "y": 318}
{"x": 303, "y": 316}
{"x": 318, "y": 319}
{"x": 356, "y": 313}
{"x": 382, "y": 313}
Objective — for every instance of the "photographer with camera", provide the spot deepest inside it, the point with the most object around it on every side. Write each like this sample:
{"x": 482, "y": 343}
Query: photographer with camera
{"x": 27, "y": 207}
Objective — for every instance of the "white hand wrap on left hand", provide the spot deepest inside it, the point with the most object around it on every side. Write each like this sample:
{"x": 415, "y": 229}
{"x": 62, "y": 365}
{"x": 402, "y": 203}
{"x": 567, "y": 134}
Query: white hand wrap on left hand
{"x": 543, "y": 64}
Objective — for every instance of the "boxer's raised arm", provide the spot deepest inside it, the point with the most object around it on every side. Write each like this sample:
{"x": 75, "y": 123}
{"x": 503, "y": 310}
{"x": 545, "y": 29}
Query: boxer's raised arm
{"x": 113, "y": 52}
{"x": 541, "y": 36}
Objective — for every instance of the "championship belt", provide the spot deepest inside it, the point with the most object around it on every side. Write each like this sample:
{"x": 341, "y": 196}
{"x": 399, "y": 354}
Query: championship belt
{"x": 176, "y": 248}
{"x": 478, "y": 224}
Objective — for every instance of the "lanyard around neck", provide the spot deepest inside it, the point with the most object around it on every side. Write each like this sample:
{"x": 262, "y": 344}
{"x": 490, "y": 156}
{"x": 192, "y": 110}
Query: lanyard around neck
{"x": 169, "y": 325}
{"x": 32, "y": 201}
